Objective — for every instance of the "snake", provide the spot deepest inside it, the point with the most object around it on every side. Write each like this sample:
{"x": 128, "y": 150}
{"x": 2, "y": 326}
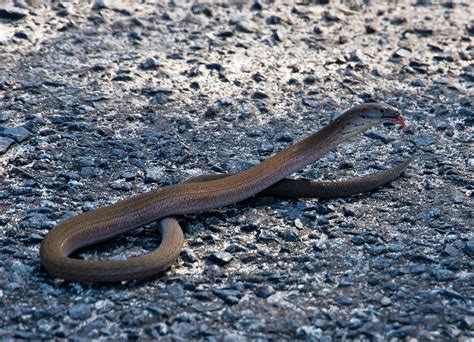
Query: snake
{"x": 268, "y": 178}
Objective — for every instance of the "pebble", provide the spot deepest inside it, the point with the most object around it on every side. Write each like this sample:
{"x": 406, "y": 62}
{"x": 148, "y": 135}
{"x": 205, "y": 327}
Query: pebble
{"x": 424, "y": 140}
{"x": 234, "y": 337}
{"x": 18, "y": 134}
{"x": 308, "y": 332}
{"x": 80, "y": 311}
{"x": 220, "y": 258}
{"x": 310, "y": 102}
{"x": 259, "y": 95}
{"x": 20, "y": 35}
{"x": 89, "y": 171}
{"x": 370, "y": 29}
{"x": 228, "y": 315}
{"x": 403, "y": 53}
{"x": 235, "y": 248}
{"x": 103, "y": 305}
{"x": 265, "y": 291}
{"x": 11, "y": 13}
{"x": 154, "y": 174}
{"x": 285, "y": 137}
{"x": 121, "y": 185}
{"x": 443, "y": 274}
{"x": 344, "y": 300}
{"x": 128, "y": 175}
{"x": 385, "y": 301}
{"x": 5, "y": 143}
{"x": 98, "y": 5}
{"x": 469, "y": 248}
{"x": 188, "y": 256}
{"x": 149, "y": 64}
{"x": 5, "y": 115}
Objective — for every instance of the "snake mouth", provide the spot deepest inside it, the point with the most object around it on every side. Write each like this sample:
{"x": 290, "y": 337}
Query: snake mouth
{"x": 399, "y": 119}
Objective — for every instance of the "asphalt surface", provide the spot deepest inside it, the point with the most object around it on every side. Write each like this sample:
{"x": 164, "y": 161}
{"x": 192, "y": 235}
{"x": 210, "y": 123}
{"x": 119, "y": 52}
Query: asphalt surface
{"x": 104, "y": 100}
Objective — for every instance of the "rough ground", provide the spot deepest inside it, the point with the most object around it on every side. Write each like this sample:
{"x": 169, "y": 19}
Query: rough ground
{"x": 102, "y": 101}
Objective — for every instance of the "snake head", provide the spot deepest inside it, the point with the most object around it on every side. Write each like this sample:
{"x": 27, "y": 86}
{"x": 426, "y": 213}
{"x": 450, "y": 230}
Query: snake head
{"x": 361, "y": 117}
{"x": 383, "y": 113}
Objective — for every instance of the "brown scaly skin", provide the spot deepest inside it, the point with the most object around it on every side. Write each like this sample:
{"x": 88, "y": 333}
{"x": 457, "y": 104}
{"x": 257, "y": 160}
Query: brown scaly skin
{"x": 103, "y": 223}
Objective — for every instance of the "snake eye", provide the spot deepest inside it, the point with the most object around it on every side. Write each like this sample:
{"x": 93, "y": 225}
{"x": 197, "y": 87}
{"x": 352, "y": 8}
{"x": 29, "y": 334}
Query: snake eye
{"x": 382, "y": 111}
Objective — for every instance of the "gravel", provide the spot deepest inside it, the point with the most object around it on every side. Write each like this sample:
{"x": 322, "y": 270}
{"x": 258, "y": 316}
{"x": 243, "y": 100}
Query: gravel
{"x": 103, "y": 100}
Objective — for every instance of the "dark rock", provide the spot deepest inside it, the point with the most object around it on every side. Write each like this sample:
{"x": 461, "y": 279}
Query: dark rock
{"x": 243, "y": 27}
{"x": 128, "y": 175}
{"x": 5, "y": 143}
{"x": 469, "y": 248}
{"x": 330, "y": 17}
{"x": 317, "y": 30}
{"x": 250, "y": 227}
{"x": 311, "y": 79}
{"x": 188, "y": 256}
{"x": 424, "y": 140}
{"x": 157, "y": 90}
{"x": 21, "y": 35}
{"x": 417, "y": 83}
{"x": 465, "y": 112}
{"x": 443, "y": 274}
{"x": 220, "y": 258}
{"x": 424, "y": 32}
{"x": 98, "y": 5}
{"x": 215, "y": 66}
{"x": 419, "y": 66}
{"x": 121, "y": 185}
{"x": 259, "y": 95}
{"x": 149, "y": 64}
{"x": 444, "y": 57}
{"x": 265, "y": 292}
{"x": 89, "y": 171}
{"x": 212, "y": 112}
{"x": 122, "y": 78}
{"x": 5, "y": 115}
{"x": 370, "y": 29}
{"x": 86, "y": 161}
{"x": 399, "y": 20}
{"x": 256, "y": 6}
{"x": 310, "y": 333}
{"x": 357, "y": 240}
{"x": 153, "y": 174}
{"x": 375, "y": 136}
{"x": 234, "y": 248}
{"x": 11, "y": 13}
{"x": 342, "y": 39}
{"x": 80, "y": 311}
{"x": 228, "y": 315}
{"x": 225, "y": 34}
{"x": 229, "y": 296}
{"x": 201, "y": 9}
{"x": 348, "y": 212}
{"x": 276, "y": 37}
{"x": 18, "y": 134}
{"x": 258, "y": 77}
{"x": 344, "y": 300}
{"x": 452, "y": 251}
{"x": 273, "y": 20}
{"x": 310, "y": 103}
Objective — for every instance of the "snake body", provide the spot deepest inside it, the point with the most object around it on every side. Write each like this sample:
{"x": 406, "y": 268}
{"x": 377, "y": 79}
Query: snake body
{"x": 200, "y": 195}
